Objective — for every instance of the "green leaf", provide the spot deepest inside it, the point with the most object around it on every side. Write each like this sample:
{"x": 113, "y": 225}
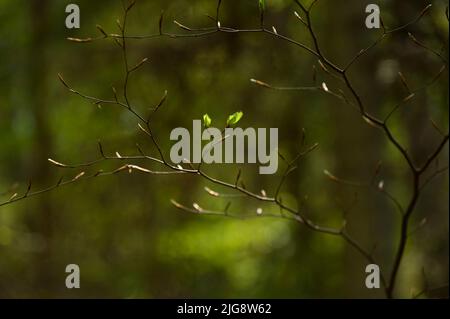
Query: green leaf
{"x": 206, "y": 120}
{"x": 234, "y": 118}
{"x": 262, "y": 5}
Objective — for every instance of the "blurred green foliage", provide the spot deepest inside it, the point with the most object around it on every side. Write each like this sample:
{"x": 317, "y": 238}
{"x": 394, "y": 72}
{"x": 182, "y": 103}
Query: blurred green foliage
{"x": 122, "y": 231}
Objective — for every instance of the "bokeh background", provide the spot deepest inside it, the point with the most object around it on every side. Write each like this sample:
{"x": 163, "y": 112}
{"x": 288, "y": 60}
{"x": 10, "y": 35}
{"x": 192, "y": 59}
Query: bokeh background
{"x": 122, "y": 230}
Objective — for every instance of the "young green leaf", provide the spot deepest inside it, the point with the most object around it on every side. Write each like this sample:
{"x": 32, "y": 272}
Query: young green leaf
{"x": 206, "y": 120}
{"x": 234, "y": 118}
